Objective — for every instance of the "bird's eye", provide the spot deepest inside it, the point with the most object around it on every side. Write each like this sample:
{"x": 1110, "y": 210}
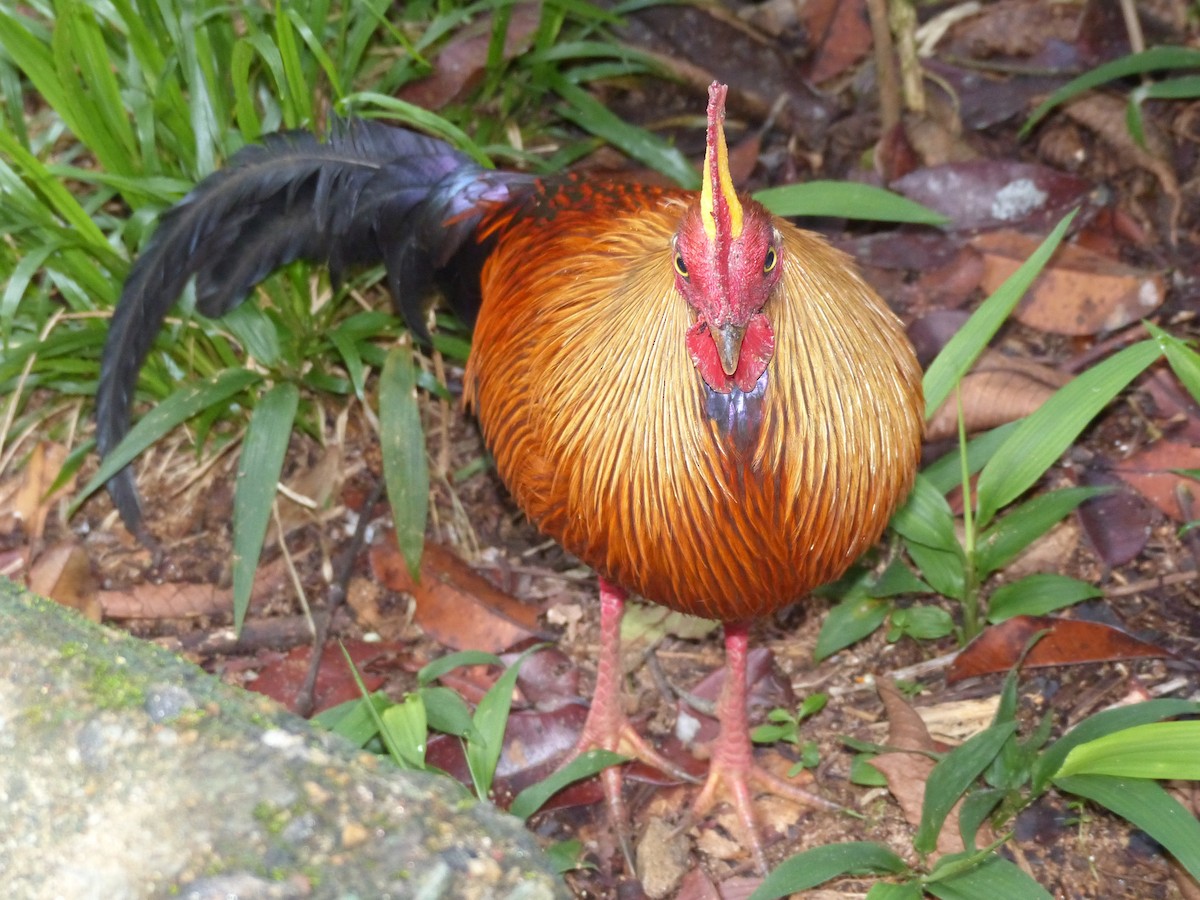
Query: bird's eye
{"x": 680, "y": 265}
{"x": 770, "y": 261}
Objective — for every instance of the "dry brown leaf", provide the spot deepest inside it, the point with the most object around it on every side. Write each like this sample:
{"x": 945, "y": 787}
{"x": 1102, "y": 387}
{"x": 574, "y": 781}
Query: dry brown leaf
{"x": 313, "y": 487}
{"x": 64, "y": 574}
{"x": 997, "y": 390}
{"x": 31, "y": 503}
{"x": 455, "y": 606}
{"x": 907, "y": 773}
{"x": 1079, "y": 293}
{"x": 1105, "y": 115}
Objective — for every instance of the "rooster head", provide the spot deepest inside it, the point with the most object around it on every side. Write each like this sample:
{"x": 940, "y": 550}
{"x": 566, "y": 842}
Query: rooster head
{"x": 728, "y": 258}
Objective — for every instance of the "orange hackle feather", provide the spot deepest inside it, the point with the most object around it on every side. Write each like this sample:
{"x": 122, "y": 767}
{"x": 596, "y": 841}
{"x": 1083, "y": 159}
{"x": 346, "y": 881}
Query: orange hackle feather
{"x": 596, "y": 414}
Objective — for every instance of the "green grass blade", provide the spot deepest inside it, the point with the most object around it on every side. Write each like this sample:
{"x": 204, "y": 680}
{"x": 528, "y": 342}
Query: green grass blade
{"x": 1135, "y": 64}
{"x": 591, "y": 115}
{"x": 961, "y": 351}
{"x": 583, "y": 766}
{"x": 58, "y": 199}
{"x": 926, "y": 517}
{"x": 1036, "y": 595}
{"x": 1103, "y": 723}
{"x": 1146, "y": 805}
{"x": 366, "y": 102}
{"x": 849, "y": 621}
{"x": 402, "y": 443}
{"x": 259, "y": 468}
{"x": 951, "y": 777}
{"x": 1184, "y": 361}
{"x": 443, "y": 664}
{"x": 1153, "y": 750}
{"x": 846, "y": 200}
{"x": 816, "y": 866}
{"x": 491, "y": 720}
{"x": 405, "y": 725}
{"x": 1044, "y": 436}
{"x": 999, "y": 544}
{"x": 186, "y": 402}
{"x": 993, "y": 879}
{"x": 447, "y": 712}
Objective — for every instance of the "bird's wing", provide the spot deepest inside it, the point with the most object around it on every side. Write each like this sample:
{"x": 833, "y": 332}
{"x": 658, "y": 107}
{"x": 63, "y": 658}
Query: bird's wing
{"x": 370, "y": 193}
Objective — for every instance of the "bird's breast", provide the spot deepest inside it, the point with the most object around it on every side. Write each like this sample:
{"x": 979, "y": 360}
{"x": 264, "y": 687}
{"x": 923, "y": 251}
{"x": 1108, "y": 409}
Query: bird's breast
{"x": 722, "y": 505}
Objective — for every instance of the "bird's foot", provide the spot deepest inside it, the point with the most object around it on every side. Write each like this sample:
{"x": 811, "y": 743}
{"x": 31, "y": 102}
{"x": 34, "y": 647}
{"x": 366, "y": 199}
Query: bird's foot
{"x": 735, "y": 782}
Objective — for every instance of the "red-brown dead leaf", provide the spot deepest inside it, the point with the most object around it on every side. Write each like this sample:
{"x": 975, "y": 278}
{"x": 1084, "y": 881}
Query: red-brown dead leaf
{"x": 1149, "y": 471}
{"x": 183, "y": 599}
{"x": 282, "y": 678}
{"x": 841, "y": 35}
{"x": 461, "y": 62}
{"x": 997, "y": 390}
{"x": 907, "y": 773}
{"x": 1079, "y": 293}
{"x": 64, "y": 574}
{"x": 457, "y": 607}
{"x": 1067, "y": 642}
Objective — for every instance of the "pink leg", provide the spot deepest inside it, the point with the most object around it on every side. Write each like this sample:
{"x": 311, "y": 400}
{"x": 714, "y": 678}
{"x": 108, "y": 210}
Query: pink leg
{"x": 732, "y": 769}
{"x": 607, "y": 727}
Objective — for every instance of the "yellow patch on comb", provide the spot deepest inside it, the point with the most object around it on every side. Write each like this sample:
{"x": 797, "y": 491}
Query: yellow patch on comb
{"x": 718, "y": 199}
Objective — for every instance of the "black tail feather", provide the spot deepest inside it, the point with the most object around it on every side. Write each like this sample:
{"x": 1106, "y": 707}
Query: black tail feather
{"x": 369, "y": 194}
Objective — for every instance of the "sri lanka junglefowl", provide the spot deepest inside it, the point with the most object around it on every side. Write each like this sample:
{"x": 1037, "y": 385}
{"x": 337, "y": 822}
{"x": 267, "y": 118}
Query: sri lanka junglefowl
{"x": 704, "y": 403}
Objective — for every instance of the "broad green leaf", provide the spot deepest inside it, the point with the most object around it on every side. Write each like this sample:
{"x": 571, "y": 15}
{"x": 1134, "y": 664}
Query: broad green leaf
{"x": 585, "y": 765}
{"x": 1102, "y": 723}
{"x": 1147, "y": 806}
{"x": 945, "y": 473}
{"x": 993, "y": 879}
{"x": 864, "y": 774}
{"x": 404, "y": 723}
{"x": 976, "y": 807}
{"x": 816, "y": 866}
{"x": 1018, "y": 529}
{"x": 446, "y": 711}
{"x": 176, "y": 409}
{"x": 491, "y": 720}
{"x": 920, "y": 622}
{"x": 945, "y": 570}
{"x": 960, "y": 352}
{"x": 402, "y": 444}
{"x": 882, "y": 890}
{"x": 255, "y": 331}
{"x": 951, "y": 777}
{"x": 259, "y": 468}
{"x": 1043, "y": 436}
{"x": 849, "y": 621}
{"x": 926, "y": 518}
{"x": 1036, "y": 595}
{"x": 847, "y": 200}
{"x": 355, "y": 720}
{"x": 1135, "y": 64}
{"x": 590, "y": 114}
{"x": 567, "y": 856}
{"x": 1154, "y": 750}
{"x": 1185, "y": 362}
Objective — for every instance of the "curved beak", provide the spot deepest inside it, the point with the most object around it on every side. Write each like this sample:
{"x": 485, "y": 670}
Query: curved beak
{"x": 728, "y": 339}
